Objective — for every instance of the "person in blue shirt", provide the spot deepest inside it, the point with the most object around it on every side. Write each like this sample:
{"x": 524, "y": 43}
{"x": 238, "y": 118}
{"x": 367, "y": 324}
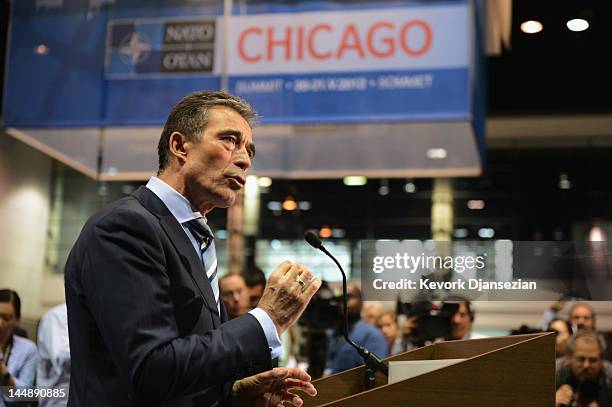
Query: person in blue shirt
{"x": 18, "y": 356}
{"x": 340, "y": 355}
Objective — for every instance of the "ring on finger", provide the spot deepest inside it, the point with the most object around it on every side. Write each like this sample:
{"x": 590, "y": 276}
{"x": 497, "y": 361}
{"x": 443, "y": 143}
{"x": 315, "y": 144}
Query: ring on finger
{"x": 300, "y": 281}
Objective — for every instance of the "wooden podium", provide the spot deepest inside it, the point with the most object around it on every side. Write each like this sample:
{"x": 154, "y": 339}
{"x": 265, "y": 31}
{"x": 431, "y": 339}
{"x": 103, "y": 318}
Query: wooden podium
{"x": 513, "y": 371}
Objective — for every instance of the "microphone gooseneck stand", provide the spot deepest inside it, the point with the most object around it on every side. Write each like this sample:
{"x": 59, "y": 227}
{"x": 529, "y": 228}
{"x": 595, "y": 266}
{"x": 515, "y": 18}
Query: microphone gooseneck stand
{"x": 373, "y": 363}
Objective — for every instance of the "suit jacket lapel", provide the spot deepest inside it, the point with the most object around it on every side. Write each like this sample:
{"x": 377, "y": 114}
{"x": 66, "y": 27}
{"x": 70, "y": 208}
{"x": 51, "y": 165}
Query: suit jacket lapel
{"x": 183, "y": 245}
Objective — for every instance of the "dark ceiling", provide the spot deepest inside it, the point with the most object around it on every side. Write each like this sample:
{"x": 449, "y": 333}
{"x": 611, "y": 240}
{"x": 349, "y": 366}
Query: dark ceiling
{"x": 556, "y": 71}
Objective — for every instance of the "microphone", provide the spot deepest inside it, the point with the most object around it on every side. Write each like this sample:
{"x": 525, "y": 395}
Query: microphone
{"x": 313, "y": 239}
{"x": 372, "y": 361}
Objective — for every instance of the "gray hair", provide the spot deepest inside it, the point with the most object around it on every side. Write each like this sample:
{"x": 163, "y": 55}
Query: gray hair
{"x": 589, "y": 336}
{"x": 190, "y": 116}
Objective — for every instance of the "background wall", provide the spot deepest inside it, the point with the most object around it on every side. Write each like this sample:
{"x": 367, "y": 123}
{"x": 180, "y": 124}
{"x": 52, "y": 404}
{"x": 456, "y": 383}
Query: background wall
{"x": 25, "y": 176}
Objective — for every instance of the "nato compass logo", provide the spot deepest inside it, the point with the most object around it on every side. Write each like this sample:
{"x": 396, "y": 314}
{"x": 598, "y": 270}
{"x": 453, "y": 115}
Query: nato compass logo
{"x": 155, "y": 47}
{"x": 134, "y": 48}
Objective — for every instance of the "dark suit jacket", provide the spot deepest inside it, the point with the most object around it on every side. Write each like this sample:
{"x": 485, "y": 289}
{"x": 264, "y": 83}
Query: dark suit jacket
{"x": 144, "y": 328}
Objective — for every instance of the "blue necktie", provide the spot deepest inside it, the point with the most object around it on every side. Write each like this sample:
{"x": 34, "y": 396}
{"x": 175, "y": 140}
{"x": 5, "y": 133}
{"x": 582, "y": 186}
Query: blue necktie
{"x": 205, "y": 238}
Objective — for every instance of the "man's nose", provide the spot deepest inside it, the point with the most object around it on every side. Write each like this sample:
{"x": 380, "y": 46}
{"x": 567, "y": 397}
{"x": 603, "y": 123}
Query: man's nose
{"x": 242, "y": 159}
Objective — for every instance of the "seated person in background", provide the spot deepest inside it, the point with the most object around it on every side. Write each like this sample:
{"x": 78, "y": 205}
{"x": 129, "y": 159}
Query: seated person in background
{"x": 342, "y": 356}
{"x": 18, "y": 356}
{"x": 581, "y": 315}
{"x": 235, "y": 295}
{"x": 256, "y": 282}
{"x": 54, "y": 352}
{"x": 462, "y": 321}
{"x": 387, "y": 323}
{"x": 563, "y": 331}
{"x": 583, "y": 378}
{"x": 371, "y": 311}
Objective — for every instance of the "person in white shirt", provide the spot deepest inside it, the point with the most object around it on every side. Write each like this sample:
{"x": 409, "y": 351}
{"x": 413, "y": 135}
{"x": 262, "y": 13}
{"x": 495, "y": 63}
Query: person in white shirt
{"x": 54, "y": 353}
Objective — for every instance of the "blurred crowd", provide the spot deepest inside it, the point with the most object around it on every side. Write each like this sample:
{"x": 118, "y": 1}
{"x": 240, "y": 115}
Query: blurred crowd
{"x": 583, "y": 374}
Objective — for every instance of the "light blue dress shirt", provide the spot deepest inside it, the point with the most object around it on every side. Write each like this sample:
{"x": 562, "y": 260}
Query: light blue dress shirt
{"x": 22, "y": 363}
{"x": 183, "y": 211}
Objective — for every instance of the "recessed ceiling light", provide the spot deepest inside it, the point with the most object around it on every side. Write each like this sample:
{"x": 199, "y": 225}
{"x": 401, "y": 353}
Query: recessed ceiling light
{"x": 461, "y": 233}
{"x": 325, "y": 232}
{"x": 355, "y": 180}
{"x": 577, "y": 24}
{"x": 475, "y": 204}
{"x": 264, "y": 182}
{"x": 289, "y": 204}
{"x": 564, "y": 181}
{"x": 486, "y": 233}
{"x": 531, "y": 27}
{"x": 304, "y": 205}
{"x": 437, "y": 153}
{"x": 410, "y": 187}
{"x": 275, "y": 206}
{"x": 41, "y": 49}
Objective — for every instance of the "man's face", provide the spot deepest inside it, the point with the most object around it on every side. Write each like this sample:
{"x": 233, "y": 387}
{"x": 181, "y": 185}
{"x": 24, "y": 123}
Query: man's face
{"x": 255, "y": 294}
{"x": 353, "y": 303}
{"x": 461, "y": 323}
{"x": 389, "y": 327}
{"x": 371, "y": 313}
{"x": 563, "y": 334}
{"x": 216, "y": 166}
{"x": 409, "y": 326}
{"x": 8, "y": 320}
{"x": 586, "y": 362}
{"x": 235, "y": 295}
{"x": 582, "y": 317}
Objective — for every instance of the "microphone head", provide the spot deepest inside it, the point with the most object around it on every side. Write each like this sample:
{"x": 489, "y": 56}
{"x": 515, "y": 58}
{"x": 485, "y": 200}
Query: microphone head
{"x": 312, "y": 239}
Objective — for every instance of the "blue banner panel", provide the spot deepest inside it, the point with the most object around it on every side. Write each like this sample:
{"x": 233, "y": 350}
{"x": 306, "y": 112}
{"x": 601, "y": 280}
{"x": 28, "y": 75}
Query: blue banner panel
{"x": 126, "y": 62}
{"x": 98, "y": 63}
{"x": 357, "y": 97}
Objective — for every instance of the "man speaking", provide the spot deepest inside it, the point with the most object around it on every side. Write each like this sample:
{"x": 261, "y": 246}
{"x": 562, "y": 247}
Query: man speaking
{"x": 146, "y": 324}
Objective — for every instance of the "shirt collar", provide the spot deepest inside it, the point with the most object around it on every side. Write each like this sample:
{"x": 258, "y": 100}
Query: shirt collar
{"x": 182, "y": 210}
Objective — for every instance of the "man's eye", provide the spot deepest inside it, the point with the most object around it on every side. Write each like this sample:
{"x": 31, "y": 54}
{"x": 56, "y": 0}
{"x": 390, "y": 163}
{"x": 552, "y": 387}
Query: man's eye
{"x": 231, "y": 139}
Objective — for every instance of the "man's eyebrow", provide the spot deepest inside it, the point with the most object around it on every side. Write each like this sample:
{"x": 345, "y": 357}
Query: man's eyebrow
{"x": 230, "y": 132}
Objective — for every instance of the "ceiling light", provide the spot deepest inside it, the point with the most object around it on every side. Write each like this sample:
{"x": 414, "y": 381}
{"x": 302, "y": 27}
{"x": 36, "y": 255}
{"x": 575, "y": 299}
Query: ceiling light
{"x": 461, "y": 233}
{"x": 355, "y": 180}
{"x": 274, "y": 206}
{"x": 384, "y": 187}
{"x": 338, "y": 233}
{"x": 289, "y": 204}
{"x": 41, "y": 49}
{"x": 437, "y": 153}
{"x": 304, "y": 205}
{"x": 410, "y": 187}
{"x": 486, "y": 233}
{"x": 577, "y": 24}
{"x": 325, "y": 231}
{"x": 564, "y": 182}
{"x": 264, "y": 182}
{"x": 475, "y": 204}
{"x": 597, "y": 234}
{"x": 531, "y": 27}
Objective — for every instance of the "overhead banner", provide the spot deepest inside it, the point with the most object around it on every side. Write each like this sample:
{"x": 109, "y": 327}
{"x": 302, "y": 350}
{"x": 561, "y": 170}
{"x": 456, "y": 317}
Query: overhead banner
{"x": 368, "y": 87}
{"x": 352, "y": 66}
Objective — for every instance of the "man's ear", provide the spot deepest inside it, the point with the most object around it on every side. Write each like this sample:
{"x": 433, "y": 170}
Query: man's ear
{"x": 177, "y": 146}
